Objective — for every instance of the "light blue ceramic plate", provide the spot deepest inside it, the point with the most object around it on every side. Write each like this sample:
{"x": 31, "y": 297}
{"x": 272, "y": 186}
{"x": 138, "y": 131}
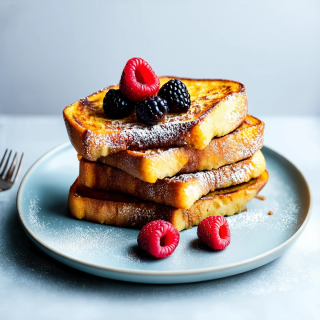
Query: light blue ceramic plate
{"x": 256, "y": 237}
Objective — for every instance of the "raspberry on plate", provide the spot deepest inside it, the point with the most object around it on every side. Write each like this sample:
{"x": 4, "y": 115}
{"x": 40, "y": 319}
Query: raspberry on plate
{"x": 138, "y": 80}
{"x": 159, "y": 238}
{"x": 151, "y": 110}
{"x": 214, "y": 232}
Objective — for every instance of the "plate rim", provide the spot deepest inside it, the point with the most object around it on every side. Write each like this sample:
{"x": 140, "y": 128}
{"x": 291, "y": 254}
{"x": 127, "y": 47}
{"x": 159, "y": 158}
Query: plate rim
{"x": 151, "y": 272}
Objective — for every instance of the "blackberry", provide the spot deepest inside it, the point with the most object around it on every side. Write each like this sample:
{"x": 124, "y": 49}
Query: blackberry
{"x": 176, "y": 94}
{"x": 116, "y": 106}
{"x": 151, "y": 110}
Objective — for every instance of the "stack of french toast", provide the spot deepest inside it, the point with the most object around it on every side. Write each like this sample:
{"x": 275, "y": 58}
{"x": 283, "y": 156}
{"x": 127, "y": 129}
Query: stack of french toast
{"x": 194, "y": 164}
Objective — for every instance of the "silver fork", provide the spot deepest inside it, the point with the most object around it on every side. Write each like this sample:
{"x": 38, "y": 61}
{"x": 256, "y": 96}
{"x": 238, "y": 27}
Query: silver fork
{"x": 7, "y": 177}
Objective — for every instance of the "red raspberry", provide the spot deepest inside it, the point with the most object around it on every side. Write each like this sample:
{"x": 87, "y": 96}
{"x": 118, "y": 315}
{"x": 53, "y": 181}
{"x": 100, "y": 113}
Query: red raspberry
{"x": 138, "y": 80}
{"x": 214, "y": 232}
{"x": 159, "y": 238}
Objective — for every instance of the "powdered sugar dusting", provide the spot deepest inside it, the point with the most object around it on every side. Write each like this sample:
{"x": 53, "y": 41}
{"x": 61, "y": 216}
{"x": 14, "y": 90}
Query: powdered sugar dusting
{"x": 139, "y": 137}
{"x": 179, "y": 191}
{"x": 79, "y": 239}
{"x": 34, "y": 210}
{"x": 225, "y": 176}
{"x": 236, "y": 146}
{"x": 104, "y": 136}
{"x": 257, "y": 217}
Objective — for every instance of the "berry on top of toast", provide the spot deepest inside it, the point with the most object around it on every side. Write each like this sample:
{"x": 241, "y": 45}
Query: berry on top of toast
{"x": 138, "y": 80}
{"x": 176, "y": 94}
{"x": 115, "y": 105}
{"x": 151, "y": 110}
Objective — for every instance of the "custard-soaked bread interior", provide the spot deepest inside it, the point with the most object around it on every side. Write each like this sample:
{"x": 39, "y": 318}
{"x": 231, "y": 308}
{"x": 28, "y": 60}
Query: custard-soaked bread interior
{"x": 153, "y": 164}
{"x": 126, "y": 211}
{"x": 217, "y": 108}
{"x": 180, "y": 191}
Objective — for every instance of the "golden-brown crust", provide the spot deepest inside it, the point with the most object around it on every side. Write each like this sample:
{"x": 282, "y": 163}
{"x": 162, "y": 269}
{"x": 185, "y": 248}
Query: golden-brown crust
{"x": 153, "y": 164}
{"x": 126, "y": 211}
{"x": 217, "y": 108}
{"x": 179, "y": 191}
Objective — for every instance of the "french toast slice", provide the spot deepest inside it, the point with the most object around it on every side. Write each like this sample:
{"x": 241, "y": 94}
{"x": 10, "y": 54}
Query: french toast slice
{"x": 126, "y": 211}
{"x": 153, "y": 164}
{"x": 180, "y": 191}
{"x": 217, "y": 108}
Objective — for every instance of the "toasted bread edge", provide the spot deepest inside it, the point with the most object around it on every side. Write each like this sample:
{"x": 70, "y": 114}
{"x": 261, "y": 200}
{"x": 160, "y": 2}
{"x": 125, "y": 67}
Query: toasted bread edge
{"x": 135, "y": 215}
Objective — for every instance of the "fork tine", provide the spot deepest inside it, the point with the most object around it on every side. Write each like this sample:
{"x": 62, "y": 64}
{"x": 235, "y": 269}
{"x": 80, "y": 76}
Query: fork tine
{"x": 6, "y": 164}
{"x": 12, "y": 167}
{"x": 3, "y": 158}
{"x": 19, "y": 167}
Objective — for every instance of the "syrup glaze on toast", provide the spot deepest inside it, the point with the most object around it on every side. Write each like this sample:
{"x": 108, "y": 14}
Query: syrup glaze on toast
{"x": 180, "y": 191}
{"x": 153, "y": 164}
{"x": 126, "y": 211}
{"x": 217, "y": 108}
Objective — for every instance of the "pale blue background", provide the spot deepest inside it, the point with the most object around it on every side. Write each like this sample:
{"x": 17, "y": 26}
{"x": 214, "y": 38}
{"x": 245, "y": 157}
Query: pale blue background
{"x": 54, "y": 52}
